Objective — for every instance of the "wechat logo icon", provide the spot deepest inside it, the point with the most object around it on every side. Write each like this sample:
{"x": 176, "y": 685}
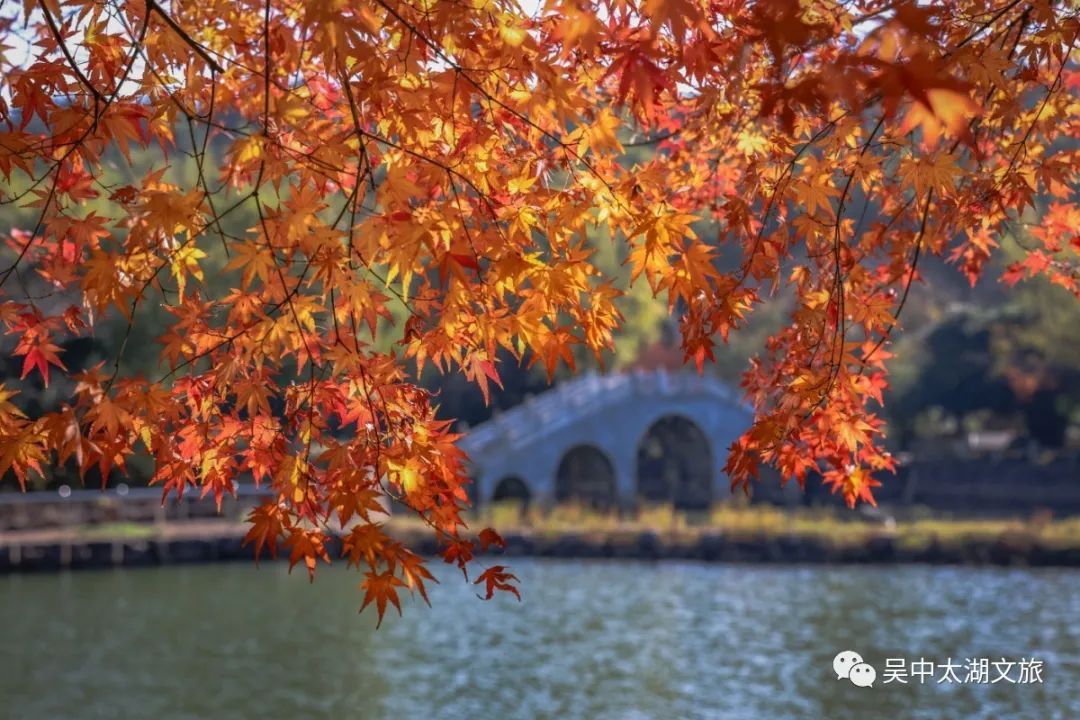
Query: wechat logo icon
{"x": 849, "y": 665}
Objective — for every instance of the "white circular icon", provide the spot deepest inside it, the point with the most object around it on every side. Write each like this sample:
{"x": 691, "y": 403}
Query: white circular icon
{"x": 863, "y": 675}
{"x": 843, "y": 662}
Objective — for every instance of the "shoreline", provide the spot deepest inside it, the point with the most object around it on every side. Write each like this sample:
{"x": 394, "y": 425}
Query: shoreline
{"x": 44, "y": 552}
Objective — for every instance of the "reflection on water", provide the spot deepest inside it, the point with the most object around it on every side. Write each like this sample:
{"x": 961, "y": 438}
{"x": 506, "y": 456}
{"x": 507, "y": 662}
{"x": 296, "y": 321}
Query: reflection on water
{"x": 590, "y": 640}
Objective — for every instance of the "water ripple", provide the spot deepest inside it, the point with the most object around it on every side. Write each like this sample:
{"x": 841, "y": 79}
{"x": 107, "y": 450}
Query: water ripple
{"x": 595, "y": 640}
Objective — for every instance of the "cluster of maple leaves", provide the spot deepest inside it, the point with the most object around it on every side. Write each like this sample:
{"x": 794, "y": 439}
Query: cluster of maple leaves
{"x": 451, "y": 157}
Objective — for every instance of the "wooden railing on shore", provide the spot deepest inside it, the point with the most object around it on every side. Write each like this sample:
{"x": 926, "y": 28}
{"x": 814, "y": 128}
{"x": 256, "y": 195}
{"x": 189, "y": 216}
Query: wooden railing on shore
{"x": 76, "y": 507}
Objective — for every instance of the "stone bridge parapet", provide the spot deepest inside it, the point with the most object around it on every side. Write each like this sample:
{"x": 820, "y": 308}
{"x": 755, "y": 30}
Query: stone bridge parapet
{"x": 638, "y": 432}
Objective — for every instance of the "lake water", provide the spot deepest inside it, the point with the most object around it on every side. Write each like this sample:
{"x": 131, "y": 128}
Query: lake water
{"x": 590, "y": 640}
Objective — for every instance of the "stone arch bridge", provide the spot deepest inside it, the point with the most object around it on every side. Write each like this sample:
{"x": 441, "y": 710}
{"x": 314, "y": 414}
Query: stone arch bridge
{"x": 611, "y": 441}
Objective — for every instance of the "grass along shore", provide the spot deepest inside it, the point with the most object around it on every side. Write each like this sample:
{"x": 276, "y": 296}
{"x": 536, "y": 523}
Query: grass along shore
{"x": 915, "y": 529}
{"x": 731, "y": 532}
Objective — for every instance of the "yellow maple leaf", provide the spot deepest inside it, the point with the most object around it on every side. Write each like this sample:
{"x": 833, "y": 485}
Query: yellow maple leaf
{"x": 185, "y": 261}
{"x": 948, "y": 113}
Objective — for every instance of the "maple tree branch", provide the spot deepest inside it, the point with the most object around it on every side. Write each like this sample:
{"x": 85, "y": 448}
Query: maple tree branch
{"x": 155, "y": 7}
{"x": 780, "y": 187}
{"x": 58, "y": 36}
{"x": 501, "y": 171}
{"x": 1050, "y": 92}
{"x": 33, "y": 235}
{"x": 200, "y": 160}
{"x": 982, "y": 28}
{"x": 434, "y": 47}
{"x": 841, "y": 314}
{"x": 907, "y": 286}
{"x": 653, "y": 140}
{"x": 357, "y": 132}
{"x": 74, "y": 146}
{"x": 361, "y": 134}
{"x": 266, "y": 67}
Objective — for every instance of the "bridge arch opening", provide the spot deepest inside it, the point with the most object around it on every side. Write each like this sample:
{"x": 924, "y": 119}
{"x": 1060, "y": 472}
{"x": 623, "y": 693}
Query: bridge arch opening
{"x": 586, "y": 476}
{"x": 674, "y": 464}
{"x": 512, "y": 489}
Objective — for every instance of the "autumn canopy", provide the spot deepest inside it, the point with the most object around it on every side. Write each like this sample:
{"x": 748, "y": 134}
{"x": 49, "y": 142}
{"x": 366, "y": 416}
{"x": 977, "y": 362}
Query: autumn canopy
{"x": 449, "y": 157}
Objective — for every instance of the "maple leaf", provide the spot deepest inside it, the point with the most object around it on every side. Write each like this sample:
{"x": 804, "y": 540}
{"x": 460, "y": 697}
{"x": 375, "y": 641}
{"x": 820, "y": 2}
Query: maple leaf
{"x": 459, "y": 552}
{"x": 414, "y": 572}
{"x": 675, "y": 14}
{"x": 255, "y": 260}
{"x": 479, "y": 369}
{"x": 365, "y": 542}
{"x": 814, "y": 194}
{"x": 600, "y": 134}
{"x": 108, "y": 416}
{"x": 497, "y": 578}
{"x": 488, "y": 538}
{"x": 856, "y": 486}
{"x": 381, "y": 588}
{"x": 185, "y": 261}
{"x": 638, "y": 73}
{"x": 940, "y": 111}
{"x": 9, "y": 413}
{"x": 308, "y": 546}
{"x": 360, "y": 502}
{"x": 267, "y": 528}
{"x": 39, "y": 357}
{"x": 512, "y": 35}
{"x": 22, "y": 451}
{"x": 937, "y": 172}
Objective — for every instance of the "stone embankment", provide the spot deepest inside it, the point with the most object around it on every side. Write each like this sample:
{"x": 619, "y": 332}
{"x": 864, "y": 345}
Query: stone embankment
{"x": 218, "y": 541}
